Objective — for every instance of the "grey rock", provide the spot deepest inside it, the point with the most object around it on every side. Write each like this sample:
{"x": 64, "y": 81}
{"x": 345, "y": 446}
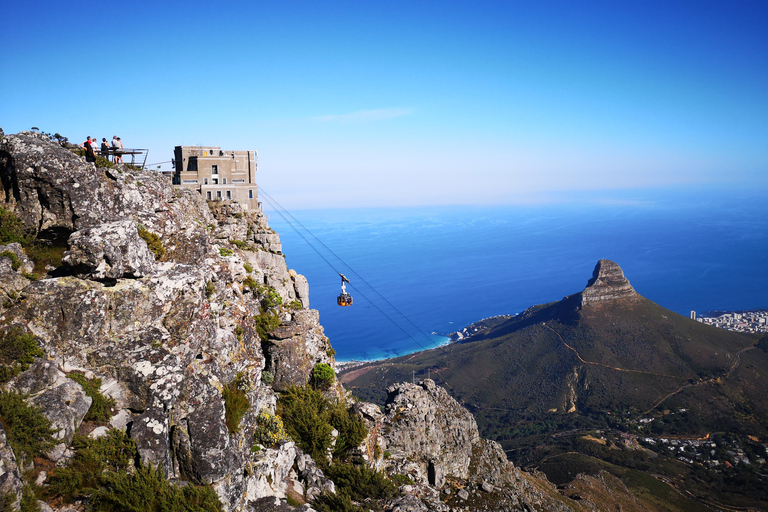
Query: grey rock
{"x": 65, "y": 405}
{"x": 39, "y": 376}
{"x": 150, "y": 432}
{"x": 109, "y": 251}
{"x": 10, "y": 476}
{"x": 607, "y": 283}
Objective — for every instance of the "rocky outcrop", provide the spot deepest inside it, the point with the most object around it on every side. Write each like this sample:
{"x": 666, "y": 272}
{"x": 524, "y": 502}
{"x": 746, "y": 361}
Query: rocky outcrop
{"x": 607, "y": 283}
{"x": 165, "y": 336}
{"x": 434, "y": 440}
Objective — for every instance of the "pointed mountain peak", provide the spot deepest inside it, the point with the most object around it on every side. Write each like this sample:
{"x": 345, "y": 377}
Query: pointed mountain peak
{"x": 607, "y": 283}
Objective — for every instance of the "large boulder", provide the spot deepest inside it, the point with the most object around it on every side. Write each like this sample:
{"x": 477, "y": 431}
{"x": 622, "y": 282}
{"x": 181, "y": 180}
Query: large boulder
{"x": 109, "y": 251}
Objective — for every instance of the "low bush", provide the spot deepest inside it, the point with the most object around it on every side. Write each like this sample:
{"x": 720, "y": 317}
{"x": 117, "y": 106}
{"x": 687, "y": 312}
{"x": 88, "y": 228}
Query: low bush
{"x": 18, "y": 350}
{"x": 269, "y": 429}
{"x": 147, "y": 490}
{"x": 267, "y": 377}
{"x": 236, "y": 403}
{"x": 310, "y": 418}
{"x": 11, "y": 228}
{"x": 82, "y": 475}
{"x": 303, "y": 412}
{"x": 224, "y": 251}
{"x": 360, "y": 482}
{"x": 270, "y": 297}
{"x": 26, "y": 427}
{"x": 42, "y": 253}
{"x": 245, "y": 246}
{"x": 153, "y": 242}
{"x": 248, "y": 268}
{"x": 329, "y": 502}
{"x": 102, "y": 405}
{"x": 350, "y": 426}
{"x": 209, "y": 289}
{"x": 251, "y": 283}
{"x": 323, "y": 376}
{"x": 266, "y": 323}
{"x": 102, "y": 472}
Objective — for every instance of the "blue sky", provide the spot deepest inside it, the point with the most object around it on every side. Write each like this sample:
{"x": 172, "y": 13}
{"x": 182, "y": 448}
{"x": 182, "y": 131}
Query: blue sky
{"x": 410, "y": 103}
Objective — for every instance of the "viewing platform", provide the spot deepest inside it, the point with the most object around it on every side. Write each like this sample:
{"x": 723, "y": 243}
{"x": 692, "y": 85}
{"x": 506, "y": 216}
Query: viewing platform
{"x": 136, "y": 154}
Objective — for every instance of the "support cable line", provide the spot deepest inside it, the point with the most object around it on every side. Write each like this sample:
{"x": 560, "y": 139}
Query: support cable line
{"x": 295, "y": 224}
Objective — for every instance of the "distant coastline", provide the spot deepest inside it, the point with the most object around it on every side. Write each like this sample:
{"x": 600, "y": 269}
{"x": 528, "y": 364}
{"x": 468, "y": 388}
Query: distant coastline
{"x": 740, "y": 321}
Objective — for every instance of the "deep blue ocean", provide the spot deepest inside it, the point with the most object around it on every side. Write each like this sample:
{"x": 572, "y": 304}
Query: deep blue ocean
{"x": 418, "y": 274}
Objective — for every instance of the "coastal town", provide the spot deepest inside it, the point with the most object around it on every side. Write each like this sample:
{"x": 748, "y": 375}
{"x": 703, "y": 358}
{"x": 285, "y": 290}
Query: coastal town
{"x": 742, "y": 321}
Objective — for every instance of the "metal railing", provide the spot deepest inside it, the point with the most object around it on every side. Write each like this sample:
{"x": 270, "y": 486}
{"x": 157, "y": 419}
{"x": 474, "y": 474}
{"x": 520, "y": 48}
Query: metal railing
{"x": 133, "y": 152}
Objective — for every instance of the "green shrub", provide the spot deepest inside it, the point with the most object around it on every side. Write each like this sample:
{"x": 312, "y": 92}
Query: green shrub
{"x": 224, "y": 251}
{"x": 104, "y": 162}
{"x": 245, "y": 246}
{"x": 267, "y": 377}
{"x": 28, "y": 430}
{"x": 310, "y": 418}
{"x": 360, "y": 482}
{"x": 323, "y": 376}
{"x": 102, "y": 405}
{"x": 303, "y": 412}
{"x": 269, "y": 429}
{"x": 239, "y": 332}
{"x": 11, "y": 228}
{"x": 294, "y": 304}
{"x": 209, "y": 289}
{"x": 82, "y": 475}
{"x": 6, "y": 502}
{"x": 328, "y": 502}
{"x": 45, "y": 254}
{"x": 248, "y": 268}
{"x": 401, "y": 479}
{"x": 28, "y": 501}
{"x": 15, "y": 261}
{"x": 266, "y": 323}
{"x": 271, "y": 297}
{"x": 147, "y": 490}
{"x": 153, "y": 242}
{"x": 17, "y": 351}
{"x": 251, "y": 283}
{"x": 236, "y": 402}
{"x": 350, "y": 427}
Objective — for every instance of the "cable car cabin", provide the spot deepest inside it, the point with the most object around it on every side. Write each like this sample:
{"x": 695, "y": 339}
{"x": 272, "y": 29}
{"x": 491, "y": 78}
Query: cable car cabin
{"x": 344, "y": 299}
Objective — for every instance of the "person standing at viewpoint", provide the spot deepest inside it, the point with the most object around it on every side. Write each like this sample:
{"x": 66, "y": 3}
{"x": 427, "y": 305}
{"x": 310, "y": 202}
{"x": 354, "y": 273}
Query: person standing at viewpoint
{"x": 105, "y": 148}
{"x": 90, "y": 156}
{"x": 117, "y": 146}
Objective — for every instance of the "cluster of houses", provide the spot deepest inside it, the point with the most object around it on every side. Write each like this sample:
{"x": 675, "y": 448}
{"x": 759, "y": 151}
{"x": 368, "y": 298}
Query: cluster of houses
{"x": 721, "y": 453}
{"x": 746, "y": 321}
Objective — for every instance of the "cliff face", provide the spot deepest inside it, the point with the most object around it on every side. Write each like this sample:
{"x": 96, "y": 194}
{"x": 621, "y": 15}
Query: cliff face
{"x": 166, "y": 336}
{"x": 608, "y": 283}
{"x": 164, "y": 297}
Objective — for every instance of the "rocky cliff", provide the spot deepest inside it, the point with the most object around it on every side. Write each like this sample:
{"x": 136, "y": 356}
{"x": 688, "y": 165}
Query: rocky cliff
{"x": 172, "y": 301}
{"x": 607, "y": 283}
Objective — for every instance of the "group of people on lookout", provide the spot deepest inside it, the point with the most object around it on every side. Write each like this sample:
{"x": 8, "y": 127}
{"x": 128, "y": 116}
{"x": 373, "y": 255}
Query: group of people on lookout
{"x": 106, "y": 150}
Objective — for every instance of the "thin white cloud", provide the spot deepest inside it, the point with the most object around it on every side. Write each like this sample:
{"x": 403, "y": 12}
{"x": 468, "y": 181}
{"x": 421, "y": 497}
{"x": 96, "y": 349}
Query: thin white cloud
{"x": 362, "y": 116}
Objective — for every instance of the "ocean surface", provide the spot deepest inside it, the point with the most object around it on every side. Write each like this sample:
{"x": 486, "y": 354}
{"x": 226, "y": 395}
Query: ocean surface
{"x": 418, "y": 274}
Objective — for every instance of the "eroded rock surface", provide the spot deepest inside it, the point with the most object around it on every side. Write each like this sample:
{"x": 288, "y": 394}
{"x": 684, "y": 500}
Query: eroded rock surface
{"x": 607, "y": 283}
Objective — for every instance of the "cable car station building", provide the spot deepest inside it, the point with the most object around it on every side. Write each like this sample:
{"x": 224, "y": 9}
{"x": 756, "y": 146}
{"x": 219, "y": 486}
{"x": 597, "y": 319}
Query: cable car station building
{"x": 218, "y": 174}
